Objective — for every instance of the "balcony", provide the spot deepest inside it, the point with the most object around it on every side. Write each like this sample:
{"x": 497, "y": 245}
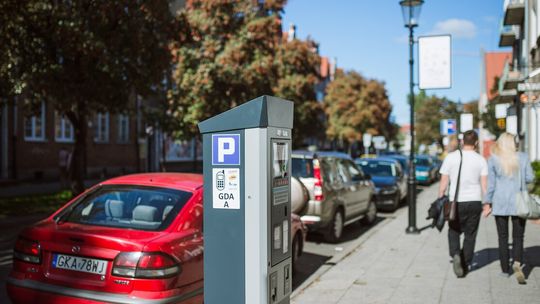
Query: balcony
{"x": 509, "y": 78}
{"x": 506, "y": 96}
{"x": 514, "y": 12}
{"x": 509, "y": 34}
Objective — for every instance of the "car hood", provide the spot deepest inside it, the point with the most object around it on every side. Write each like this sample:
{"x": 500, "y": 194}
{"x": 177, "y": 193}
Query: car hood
{"x": 383, "y": 181}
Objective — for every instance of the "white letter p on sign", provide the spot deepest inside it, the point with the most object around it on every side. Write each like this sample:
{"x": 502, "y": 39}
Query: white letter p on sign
{"x": 222, "y": 151}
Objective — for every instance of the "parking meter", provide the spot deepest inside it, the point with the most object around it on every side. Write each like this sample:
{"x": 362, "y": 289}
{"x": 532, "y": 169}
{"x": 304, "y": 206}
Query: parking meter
{"x": 247, "y": 209}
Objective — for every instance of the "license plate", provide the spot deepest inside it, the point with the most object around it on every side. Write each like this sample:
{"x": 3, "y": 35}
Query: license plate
{"x": 81, "y": 264}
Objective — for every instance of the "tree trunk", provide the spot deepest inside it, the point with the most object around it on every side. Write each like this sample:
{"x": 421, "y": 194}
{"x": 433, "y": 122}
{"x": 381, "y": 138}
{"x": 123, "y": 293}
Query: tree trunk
{"x": 77, "y": 164}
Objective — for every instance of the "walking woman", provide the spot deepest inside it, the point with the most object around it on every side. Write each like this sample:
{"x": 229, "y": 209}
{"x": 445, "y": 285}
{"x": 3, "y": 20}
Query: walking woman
{"x": 507, "y": 169}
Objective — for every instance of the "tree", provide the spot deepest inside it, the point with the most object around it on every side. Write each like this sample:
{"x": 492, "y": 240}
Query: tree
{"x": 355, "y": 105}
{"x": 429, "y": 111}
{"x": 84, "y": 57}
{"x": 234, "y": 54}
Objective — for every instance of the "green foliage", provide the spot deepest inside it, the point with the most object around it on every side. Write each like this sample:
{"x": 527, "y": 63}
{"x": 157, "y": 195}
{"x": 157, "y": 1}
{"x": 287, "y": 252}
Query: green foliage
{"x": 83, "y": 57}
{"x": 429, "y": 111}
{"x": 489, "y": 120}
{"x": 356, "y": 105}
{"x": 234, "y": 54}
{"x": 536, "y": 168}
{"x": 24, "y": 205}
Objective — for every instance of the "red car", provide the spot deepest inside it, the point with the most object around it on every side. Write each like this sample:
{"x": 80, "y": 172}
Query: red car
{"x": 132, "y": 239}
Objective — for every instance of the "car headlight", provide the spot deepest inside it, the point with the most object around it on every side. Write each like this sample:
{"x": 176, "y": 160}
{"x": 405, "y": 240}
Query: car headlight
{"x": 389, "y": 190}
{"x": 422, "y": 173}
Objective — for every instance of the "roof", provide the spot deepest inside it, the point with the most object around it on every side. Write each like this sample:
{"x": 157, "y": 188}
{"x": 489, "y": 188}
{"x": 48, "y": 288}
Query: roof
{"x": 315, "y": 154}
{"x": 380, "y": 158}
{"x": 184, "y": 181}
{"x": 325, "y": 67}
{"x": 494, "y": 64}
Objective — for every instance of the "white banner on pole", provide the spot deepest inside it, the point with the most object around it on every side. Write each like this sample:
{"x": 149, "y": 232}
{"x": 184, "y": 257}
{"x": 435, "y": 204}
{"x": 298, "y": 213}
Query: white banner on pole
{"x": 466, "y": 122}
{"x": 500, "y": 110}
{"x": 434, "y": 62}
{"x": 511, "y": 124}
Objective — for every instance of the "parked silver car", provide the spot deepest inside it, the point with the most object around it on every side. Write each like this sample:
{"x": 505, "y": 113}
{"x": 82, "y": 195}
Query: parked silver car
{"x": 339, "y": 192}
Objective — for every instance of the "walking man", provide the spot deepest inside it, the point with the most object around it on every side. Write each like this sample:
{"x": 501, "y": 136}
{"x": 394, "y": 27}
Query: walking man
{"x": 473, "y": 183}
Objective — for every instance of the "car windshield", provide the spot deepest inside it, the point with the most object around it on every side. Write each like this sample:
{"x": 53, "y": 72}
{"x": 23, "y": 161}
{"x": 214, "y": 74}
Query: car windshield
{"x": 420, "y": 161}
{"x": 134, "y": 207}
{"x": 378, "y": 168}
{"x": 302, "y": 167}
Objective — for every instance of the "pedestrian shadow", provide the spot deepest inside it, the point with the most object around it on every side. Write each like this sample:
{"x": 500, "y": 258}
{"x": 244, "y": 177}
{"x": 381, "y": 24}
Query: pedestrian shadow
{"x": 487, "y": 256}
{"x": 532, "y": 259}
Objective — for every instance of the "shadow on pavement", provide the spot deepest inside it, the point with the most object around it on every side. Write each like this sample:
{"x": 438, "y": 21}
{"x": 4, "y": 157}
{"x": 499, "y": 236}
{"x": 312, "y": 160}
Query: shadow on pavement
{"x": 532, "y": 259}
{"x": 308, "y": 263}
{"x": 490, "y": 255}
{"x": 350, "y": 232}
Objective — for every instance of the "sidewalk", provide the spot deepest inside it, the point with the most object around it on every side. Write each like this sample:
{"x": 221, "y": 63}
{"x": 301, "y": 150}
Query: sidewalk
{"x": 390, "y": 266}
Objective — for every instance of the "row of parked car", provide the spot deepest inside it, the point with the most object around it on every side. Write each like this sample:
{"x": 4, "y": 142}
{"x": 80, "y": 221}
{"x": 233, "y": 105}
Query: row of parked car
{"x": 141, "y": 236}
{"x": 342, "y": 190}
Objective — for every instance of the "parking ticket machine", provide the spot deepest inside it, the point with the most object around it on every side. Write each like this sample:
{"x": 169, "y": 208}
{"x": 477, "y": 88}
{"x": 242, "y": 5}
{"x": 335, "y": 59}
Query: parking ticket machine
{"x": 247, "y": 209}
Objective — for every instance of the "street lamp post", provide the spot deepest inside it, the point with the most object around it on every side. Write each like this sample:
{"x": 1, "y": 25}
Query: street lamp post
{"x": 411, "y": 13}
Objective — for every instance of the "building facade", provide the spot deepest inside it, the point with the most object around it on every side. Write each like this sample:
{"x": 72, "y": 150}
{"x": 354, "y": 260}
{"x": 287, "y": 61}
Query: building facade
{"x": 520, "y": 81}
{"x": 34, "y": 145}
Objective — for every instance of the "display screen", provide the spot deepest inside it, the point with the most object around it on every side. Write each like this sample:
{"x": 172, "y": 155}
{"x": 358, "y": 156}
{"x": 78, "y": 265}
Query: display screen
{"x": 280, "y": 160}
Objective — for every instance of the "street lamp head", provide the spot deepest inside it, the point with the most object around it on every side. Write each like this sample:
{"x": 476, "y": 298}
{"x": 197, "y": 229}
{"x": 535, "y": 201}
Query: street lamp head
{"x": 459, "y": 106}
{"x": 411, "y": 12}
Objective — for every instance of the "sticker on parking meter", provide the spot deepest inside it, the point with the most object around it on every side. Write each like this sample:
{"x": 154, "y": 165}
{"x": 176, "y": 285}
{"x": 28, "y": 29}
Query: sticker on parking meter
{"x": 226, "y": 188}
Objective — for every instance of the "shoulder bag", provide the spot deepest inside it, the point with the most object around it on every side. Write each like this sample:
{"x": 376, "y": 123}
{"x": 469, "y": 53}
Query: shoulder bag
{"x": 450, "y": 207}
{"x": 527, "y": 205}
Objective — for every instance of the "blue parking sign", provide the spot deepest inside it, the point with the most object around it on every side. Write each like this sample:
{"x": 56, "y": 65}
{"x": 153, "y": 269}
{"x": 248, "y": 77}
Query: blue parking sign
{"x": 448, "y": 127}
{"x": 226, "y": 149}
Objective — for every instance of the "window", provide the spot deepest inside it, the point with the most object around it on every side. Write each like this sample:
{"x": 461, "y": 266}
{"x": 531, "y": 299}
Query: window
{"x": 354, "y": 172}
{"x": 63, "y": 129}
{"x": 123, "y": 128}
{"x": 102, "y": 128}
{"x": 34, "y": 126}
{"x": 130, "y": 207}
{"x": 342, "y": 171}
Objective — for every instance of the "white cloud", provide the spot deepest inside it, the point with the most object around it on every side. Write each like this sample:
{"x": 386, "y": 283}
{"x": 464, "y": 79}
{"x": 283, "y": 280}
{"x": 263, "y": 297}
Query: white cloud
{"x": 458, "y": 28}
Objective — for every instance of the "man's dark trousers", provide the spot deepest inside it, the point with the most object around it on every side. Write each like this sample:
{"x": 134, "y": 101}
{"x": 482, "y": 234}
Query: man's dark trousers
{"x": 466, "y": 222}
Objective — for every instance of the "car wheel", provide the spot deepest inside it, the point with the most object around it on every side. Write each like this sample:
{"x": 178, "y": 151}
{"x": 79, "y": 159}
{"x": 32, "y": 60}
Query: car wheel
{"x": 371, "y": 214}
{"x": 296, "y": 252}
{"x": 335, "y": 230}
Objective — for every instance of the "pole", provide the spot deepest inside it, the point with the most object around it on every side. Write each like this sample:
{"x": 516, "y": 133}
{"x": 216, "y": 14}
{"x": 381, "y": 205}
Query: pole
{"x": 411, "y": 182}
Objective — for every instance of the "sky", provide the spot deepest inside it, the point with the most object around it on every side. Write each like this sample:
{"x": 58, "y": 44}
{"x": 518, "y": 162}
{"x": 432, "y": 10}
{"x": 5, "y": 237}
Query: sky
{"x": 370, "y": 37}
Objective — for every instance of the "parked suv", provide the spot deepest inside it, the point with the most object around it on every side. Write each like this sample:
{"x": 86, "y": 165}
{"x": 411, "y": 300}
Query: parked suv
{"x": 339, "y": 192}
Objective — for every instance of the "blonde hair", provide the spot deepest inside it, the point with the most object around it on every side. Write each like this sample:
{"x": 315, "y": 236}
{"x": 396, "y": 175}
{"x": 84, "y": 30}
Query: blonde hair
{"x": 505, "y": 149}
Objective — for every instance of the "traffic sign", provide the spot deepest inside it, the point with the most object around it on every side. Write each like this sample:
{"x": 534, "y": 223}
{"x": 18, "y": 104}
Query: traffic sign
{"x": 366, "y": 139}
{"x": 379, "y": 142}
{"x": 527, "y": 86}
{"x": 466, "y": 122}
{"x": 448, "y": 127}
{"x": 501, "y": 123}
